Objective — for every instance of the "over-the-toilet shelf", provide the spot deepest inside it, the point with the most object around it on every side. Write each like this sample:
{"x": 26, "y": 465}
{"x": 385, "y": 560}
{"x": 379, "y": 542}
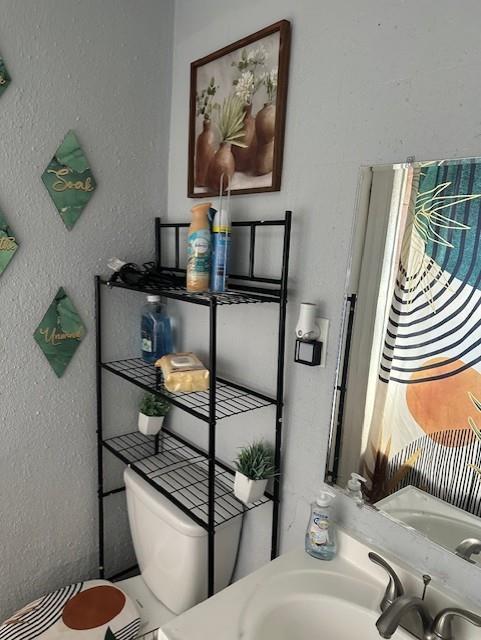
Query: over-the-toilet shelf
{"x": 195, "y": 479}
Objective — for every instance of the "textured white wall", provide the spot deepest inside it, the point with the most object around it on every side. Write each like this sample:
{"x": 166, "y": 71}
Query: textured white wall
{"x": 370, "y": 82}
{"x": 102, "y": 69}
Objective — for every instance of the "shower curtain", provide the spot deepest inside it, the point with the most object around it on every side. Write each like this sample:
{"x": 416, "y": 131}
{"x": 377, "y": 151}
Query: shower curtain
{"x": 422, "y": 421}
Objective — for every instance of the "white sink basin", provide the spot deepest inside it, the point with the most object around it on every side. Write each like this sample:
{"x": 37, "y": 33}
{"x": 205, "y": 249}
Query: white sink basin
{"x": 307, "y": 604}
{"x": 297, "y": 597}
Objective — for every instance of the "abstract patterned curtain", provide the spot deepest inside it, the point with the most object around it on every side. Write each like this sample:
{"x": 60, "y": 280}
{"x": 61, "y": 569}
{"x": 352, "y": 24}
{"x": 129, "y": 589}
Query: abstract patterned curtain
{"x": 424, "y": 428}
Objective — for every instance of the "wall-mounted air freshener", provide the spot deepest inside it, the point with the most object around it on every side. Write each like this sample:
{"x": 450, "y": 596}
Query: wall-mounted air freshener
{"x": 4, "y": 76}
{"x": 8, "y": 244}
{"x": 69, "y": 180}
{"x": 60, "y": 332}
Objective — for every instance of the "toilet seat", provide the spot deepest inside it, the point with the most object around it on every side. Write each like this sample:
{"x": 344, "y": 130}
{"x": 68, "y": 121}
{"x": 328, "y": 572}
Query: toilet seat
{"x": 92, "y": 610}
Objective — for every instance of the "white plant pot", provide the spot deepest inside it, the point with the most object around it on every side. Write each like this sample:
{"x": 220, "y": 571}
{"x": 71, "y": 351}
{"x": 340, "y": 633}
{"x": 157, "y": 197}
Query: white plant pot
{"x": 150, "y": 425}
{"x": 247, "y": 490}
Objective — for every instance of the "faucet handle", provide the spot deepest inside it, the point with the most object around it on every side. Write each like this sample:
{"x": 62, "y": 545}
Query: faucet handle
{"x": 467, "y": 548}
{"x": 442, "y": 622}
{"x": 394, "y": 588}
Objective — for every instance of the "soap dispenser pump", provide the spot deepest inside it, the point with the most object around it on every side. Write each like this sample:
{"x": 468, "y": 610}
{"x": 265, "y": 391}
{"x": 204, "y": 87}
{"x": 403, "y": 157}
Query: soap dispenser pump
{"x": 321, "y": 531}
{"x": 354, "y": 488}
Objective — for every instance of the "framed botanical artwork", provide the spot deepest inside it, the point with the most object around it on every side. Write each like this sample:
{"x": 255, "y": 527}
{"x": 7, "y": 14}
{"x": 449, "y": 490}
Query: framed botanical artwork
{"x": 237, "y": 114}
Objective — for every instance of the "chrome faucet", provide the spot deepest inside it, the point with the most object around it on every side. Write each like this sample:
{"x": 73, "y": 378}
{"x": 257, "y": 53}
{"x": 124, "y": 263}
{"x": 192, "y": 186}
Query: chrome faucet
{"x": 391, "y": 618}
{"x": 394, "y": 589}
{"x": 468, "y": 548}
{"x": 396, "y": 607}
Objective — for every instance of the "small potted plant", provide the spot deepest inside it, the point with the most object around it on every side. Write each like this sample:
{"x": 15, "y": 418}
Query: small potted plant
{"x": 152, "y": 411}
{"x": 254, "y": 466}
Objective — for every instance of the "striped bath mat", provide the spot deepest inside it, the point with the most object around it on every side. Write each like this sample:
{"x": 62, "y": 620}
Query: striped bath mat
{"x": 94, "y": 610}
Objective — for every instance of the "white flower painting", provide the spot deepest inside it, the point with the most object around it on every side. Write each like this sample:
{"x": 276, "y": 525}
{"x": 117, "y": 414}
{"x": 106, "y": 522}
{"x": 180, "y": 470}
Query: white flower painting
{"x": 237, "y": 115}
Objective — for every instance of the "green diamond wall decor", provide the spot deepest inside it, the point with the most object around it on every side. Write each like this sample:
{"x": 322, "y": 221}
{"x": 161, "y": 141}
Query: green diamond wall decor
{"x": 60, "y": 332}
{"x": 8, "y": 244}
{"x": 69, "y": 180}
{"x": 4, "y": 76}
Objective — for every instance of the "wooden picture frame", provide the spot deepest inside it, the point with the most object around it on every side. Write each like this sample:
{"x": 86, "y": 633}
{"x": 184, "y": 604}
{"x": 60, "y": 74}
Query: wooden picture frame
{"x": 238, "y": 94}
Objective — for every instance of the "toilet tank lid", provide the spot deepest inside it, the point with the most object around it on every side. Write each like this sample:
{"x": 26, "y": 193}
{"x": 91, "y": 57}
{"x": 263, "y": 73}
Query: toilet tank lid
{"x": 161, "y": 506}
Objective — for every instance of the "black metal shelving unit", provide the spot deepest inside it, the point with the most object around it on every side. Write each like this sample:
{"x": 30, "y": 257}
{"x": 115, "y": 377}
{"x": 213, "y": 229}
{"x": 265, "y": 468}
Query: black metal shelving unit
{"x": 195, "y": 480}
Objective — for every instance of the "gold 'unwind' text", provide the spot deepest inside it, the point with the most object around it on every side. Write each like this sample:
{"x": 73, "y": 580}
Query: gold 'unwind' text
{"x": 7, "y": 243}
{"x": 52, "y": 336}
{"x": 62, "y": 184}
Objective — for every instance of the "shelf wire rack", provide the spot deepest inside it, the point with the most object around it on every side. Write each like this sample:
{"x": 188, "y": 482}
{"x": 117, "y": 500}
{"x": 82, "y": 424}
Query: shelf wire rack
{"x": 180, "y": 293}
{"x": 232, "y": 399}
{"x": 180, "y": 471}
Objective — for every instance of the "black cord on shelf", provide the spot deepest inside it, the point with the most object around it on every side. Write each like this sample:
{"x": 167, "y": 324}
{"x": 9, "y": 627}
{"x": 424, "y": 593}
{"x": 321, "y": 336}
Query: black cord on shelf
{"x": 147, "y": 275}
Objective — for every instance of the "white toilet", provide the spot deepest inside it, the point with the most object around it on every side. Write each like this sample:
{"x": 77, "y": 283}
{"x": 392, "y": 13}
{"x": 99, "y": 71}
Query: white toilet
{"x": 171, "y": 551}
{"x": 171, "y": 548}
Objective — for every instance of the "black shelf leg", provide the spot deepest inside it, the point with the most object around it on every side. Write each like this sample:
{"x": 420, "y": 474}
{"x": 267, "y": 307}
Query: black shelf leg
{"x": 100, "y": 461}
{"x": 158, "y": 245}
{"x": 280, "y": 388}
{"x": 212, "y": 428}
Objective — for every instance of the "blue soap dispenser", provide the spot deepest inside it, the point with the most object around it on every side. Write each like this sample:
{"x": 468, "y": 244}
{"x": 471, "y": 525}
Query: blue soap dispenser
{"x": 156, "y": 330}
{"x": 321, "y": 529}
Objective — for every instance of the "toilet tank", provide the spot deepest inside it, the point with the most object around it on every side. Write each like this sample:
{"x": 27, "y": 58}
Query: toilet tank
{"x": 171, "y": 548}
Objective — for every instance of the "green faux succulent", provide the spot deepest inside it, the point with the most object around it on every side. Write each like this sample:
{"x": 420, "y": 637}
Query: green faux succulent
{"x": 154, "y": 406}
{"x": 231, "y": 121}
{"x": 256, "y": 461}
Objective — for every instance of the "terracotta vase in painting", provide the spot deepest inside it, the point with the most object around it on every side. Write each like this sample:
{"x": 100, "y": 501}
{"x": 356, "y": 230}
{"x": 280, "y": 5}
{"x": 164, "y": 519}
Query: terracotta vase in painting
{"x": 222, "y": 163}
{"x": 204, "y": 152}
{"x": 265, "y": 130}
{"x": 245, "y": 157}
{"x": 265, "y": 158}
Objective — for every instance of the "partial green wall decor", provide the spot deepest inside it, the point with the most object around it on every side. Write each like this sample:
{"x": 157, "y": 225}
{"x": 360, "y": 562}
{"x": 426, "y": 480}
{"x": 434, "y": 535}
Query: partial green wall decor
{"x": 4, "y": 76}
{"x": 8, "y": 244}
{"x": 69, "y": 180}
{"x": 60, "y": 332}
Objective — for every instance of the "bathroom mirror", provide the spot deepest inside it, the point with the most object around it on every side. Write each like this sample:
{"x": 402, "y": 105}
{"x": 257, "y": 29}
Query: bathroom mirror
{"x": 407, "y": 408}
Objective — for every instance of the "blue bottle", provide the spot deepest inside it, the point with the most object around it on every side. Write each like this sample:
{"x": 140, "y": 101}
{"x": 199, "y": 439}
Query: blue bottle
{"x": 156, "y": 330}
{"x": 321, "y": 530}
{"x": 221, "y": 239}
